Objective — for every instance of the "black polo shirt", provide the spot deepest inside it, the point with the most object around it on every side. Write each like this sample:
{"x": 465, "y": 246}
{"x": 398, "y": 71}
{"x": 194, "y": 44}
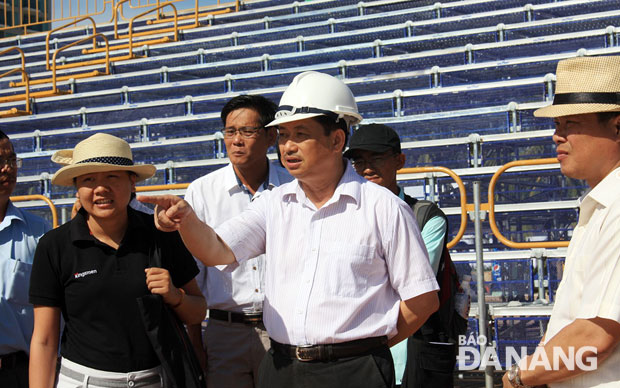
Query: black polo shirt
{"x": 96, "y": 287}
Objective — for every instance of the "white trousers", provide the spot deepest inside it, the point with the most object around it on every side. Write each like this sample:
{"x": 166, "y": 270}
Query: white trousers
{"x": 74, "y": 375}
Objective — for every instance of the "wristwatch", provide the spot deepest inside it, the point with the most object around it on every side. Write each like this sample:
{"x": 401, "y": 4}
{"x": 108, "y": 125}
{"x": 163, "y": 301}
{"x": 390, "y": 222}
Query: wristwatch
{"x": 514, "y": 377}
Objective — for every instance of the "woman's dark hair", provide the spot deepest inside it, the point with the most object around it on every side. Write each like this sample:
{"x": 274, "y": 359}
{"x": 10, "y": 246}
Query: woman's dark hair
{"x": 3, "y": 135}
{"x": 265, "y": 108}
{"x": 329, "y": 126}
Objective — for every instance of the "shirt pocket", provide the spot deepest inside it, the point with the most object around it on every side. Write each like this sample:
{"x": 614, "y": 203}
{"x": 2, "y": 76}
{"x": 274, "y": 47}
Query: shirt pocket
{"x": 349, "y": 269}
{"x": 15, "y": 280}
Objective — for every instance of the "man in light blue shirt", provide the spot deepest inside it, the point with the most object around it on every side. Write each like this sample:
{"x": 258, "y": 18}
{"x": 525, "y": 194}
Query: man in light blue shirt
{"x": 19, "y": 235}
{"x": 376, "y": 155}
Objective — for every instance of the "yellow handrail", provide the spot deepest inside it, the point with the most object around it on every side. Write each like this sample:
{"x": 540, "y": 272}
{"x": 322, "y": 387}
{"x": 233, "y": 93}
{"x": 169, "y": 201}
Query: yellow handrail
{"x": 49, "y": 15}
{"x": 172, "y": 186}
{"x": 131, "y": 34}
{"x": 49, "y": 34}
{"x": 195, "y": 16}
{"x": 492, "y": 223}
{"x": 107, "y": 56}
{"x": 35, "y": 197}
{"x": 462, "y": 192}
{"x": 23, "y": 58}
{"x": 115, "y": 16}
{"x": 15, "y": 111}
{"x": 172, "y": 29}
{"x": 55, "y": 11}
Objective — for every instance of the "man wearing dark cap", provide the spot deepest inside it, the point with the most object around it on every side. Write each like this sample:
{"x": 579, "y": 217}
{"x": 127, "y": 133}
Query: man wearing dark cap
{"x": 375, "y": 152}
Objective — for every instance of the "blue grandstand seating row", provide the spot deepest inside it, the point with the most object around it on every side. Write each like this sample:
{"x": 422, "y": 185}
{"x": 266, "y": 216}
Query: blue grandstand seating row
{"x": 436, "y": 42}
{"x": 483, "y": 68}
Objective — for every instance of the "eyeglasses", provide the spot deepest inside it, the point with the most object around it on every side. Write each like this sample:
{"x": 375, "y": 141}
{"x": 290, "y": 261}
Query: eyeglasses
{"x": 246, "y": 132}
{"x": 376, "y": 162}
{"x": 14, "y": 163}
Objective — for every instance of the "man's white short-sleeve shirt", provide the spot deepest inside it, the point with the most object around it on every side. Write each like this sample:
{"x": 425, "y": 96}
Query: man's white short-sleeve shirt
{"x": 217, "y": 197}
{"x": 590, "y": 285}
{"x": 337, "y": 273}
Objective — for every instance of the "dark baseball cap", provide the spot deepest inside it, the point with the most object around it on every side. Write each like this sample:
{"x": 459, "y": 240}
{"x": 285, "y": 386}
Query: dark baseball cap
{"x": 375, "y": 138}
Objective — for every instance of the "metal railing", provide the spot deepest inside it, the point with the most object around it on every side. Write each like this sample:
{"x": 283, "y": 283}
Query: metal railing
{"x": 93, "y": 73}
{"x": 25, "y": 80}
{"x": 491, "y": 207}
{"x": 63, "y": 27}
{"x": 33, "y": 16}
{"x": 36, "y": 197}
{"x": 462, "y": 193}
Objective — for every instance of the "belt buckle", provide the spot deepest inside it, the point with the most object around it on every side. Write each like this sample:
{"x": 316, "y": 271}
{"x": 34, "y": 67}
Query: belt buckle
{"x": 298, "y": 353}
{"x": 253, "y": 319}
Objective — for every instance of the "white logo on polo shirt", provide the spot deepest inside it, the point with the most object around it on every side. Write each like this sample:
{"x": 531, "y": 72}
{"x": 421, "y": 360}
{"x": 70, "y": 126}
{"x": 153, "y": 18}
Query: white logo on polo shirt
{"x": 78, "y": 275}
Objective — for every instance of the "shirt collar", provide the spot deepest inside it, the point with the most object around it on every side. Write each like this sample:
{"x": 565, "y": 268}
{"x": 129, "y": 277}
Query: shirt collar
{"x": 12, "y": 213}
{"x": 605, "y": 194}
{"x": 348, "y": 186}
{"x": 608, "y": 190}
{"x": 233, "y": 183}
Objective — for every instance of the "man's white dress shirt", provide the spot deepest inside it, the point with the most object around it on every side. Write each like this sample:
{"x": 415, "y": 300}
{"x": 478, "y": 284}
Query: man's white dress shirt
{"x": 217, "y": 197}
{"x": 590, "y": 286}
{"x": 337, "y": 273}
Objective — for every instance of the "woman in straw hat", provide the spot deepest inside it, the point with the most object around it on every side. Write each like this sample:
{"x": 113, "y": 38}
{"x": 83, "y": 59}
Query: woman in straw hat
{"x": 92, "y": 269}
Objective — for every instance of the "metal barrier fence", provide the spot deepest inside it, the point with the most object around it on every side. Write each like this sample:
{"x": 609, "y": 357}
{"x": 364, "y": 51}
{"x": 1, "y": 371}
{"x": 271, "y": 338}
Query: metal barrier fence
{"x": 465, "y": 207}
{"x": 35, "y": 197}
{"x": 31, "y": 16}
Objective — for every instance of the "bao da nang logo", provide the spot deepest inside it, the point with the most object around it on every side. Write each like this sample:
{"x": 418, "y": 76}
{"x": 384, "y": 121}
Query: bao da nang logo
{"x": 469, "y": 357}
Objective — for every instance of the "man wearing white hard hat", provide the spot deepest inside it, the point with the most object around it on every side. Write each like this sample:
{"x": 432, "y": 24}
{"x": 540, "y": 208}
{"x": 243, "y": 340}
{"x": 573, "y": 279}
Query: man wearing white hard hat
{"x": 585, "y": 321}
{"x": 347, "y": 274}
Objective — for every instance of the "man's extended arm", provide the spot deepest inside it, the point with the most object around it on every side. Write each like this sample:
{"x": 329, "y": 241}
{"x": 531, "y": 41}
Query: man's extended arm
{"x": 173, "y": 213}
{"x": 598, "y": 333}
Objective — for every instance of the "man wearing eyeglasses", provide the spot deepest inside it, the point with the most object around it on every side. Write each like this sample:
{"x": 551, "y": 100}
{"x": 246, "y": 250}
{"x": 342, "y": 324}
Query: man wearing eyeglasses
{"x": 236, "y": 340}
{"x": 430, "y": 357}
{"x": 19, "y": 234}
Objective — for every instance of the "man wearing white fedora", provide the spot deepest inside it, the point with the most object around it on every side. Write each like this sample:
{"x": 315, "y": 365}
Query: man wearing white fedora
{"x": 585, "y": 321}
{"x": 346, "y": 272}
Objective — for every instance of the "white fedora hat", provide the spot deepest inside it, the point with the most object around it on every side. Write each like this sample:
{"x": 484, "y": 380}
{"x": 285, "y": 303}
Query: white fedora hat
{"x": 585, "y": 85}
{"x": 98, "y": 153}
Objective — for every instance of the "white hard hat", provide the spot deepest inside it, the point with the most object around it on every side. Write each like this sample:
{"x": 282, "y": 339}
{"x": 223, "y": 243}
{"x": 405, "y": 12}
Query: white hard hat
{"x": 314, "y": 94}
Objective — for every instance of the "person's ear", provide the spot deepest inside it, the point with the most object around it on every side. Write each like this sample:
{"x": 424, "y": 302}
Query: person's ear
{"x": 132, "y": 178}
{"x": 338, "y": 139}
{"x": 272, "y": 135}
{"x": 616, "y": 124}
{"x": 401, "y": 158}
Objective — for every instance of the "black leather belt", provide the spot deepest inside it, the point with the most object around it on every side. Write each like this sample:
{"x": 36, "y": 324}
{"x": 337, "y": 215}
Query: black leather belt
{"x": 229, "y": 316}
{"x": 329, "y": 352}
{"x": 11, "y": 360}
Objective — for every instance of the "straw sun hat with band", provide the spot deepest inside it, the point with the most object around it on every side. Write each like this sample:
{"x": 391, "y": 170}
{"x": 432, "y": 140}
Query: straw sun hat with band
{"x": 585, "y": 85}
{"x": 98, "y": 153}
